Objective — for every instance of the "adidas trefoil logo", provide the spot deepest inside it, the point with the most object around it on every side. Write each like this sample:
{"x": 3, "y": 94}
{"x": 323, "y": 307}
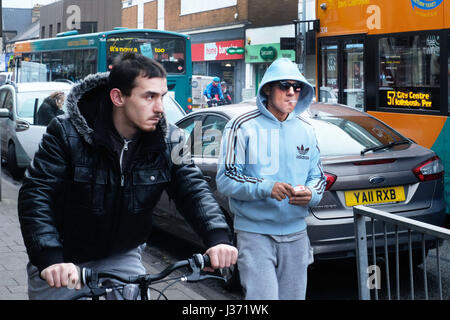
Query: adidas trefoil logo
{"x": 301, "y": 153}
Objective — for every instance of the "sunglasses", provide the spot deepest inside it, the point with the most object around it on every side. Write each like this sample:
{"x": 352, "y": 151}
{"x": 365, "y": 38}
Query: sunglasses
{"x": 286, "y": 85}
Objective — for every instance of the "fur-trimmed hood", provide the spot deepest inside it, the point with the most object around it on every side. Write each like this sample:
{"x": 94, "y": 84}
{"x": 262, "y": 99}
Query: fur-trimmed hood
{"x": 88, "y": 100}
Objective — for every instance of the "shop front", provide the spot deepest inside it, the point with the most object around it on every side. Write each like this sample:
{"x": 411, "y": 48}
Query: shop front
{"x": 223, "y": 59}
{"x": 260, "y": 56}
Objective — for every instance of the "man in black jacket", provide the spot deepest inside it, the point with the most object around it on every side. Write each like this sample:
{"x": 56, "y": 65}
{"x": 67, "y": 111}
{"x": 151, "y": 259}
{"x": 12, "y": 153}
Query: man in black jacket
{"x": 88, "y": 195}
{"x": 50, "y": 108}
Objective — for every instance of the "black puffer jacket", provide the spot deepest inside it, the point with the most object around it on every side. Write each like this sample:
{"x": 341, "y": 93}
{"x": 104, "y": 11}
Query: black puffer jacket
{"x": 75, "y": 204}
{"x": 47, "y": 111}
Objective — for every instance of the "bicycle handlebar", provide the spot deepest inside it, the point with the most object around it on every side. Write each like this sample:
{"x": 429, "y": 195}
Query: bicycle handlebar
{"x": 196, "y": 264}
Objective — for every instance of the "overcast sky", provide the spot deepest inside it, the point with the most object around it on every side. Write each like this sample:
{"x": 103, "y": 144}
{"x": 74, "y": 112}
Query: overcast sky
{"x": 24, "y": 3}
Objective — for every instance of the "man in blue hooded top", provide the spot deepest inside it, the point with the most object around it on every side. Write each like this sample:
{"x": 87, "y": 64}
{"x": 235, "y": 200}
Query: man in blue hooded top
{"x": 213, "y": 89}
{"x": 271, "y": 171}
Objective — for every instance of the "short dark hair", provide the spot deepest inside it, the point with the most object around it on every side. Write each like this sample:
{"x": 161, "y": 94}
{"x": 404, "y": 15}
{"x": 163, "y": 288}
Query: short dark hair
{"x": 126, "y": 68}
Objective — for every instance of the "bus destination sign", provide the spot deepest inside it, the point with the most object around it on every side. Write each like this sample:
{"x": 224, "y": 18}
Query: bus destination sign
{"x": 410, "y": 98}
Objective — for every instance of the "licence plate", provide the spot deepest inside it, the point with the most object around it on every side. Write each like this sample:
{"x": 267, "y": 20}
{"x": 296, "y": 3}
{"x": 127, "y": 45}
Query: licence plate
{"x": 374, "y": 196}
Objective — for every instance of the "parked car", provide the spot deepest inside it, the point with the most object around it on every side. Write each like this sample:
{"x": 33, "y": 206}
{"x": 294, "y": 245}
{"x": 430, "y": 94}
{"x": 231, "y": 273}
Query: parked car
{"x": 19, "y": 136}
{"x": 5, "y": 77}
{"x": 365, "y": 161}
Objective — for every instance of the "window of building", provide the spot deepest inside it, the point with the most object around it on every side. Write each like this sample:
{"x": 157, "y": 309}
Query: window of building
{"x": 88, "y": 27}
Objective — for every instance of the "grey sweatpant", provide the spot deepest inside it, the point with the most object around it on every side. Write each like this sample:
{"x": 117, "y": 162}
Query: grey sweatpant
{"x": 127, "y": 263}
{"x": 273, "y": 268}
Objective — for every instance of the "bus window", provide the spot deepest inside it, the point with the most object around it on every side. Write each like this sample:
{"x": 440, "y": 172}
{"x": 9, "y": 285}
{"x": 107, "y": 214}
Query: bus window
{"x": 170, "y": 52}
{"x": 329, "y": 70}
{"x": 409, "y": 72}
{"x": 353, "y": 80}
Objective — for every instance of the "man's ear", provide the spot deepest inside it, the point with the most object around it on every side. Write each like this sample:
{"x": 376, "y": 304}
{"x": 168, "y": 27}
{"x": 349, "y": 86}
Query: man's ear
{"x": 117, "y": 97}
{"x": 267, "y": 89}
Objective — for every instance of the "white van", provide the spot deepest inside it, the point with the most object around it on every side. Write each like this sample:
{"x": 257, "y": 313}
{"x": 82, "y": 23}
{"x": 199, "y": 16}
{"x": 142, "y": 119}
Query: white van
{"x": 199, "y": 84}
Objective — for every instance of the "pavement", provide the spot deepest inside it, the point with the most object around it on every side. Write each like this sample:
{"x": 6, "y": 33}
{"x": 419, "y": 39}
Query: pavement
{"x": 13, "y": 256}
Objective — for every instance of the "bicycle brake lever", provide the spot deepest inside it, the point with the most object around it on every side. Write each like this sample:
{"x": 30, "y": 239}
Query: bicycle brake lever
{"x": 198, "y": 276}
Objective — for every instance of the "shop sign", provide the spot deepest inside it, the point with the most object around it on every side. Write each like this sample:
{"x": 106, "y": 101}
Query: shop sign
{"x": 267, "y": 53}
{"x": 235, "y": 50}
{"x": 221, "y": 50}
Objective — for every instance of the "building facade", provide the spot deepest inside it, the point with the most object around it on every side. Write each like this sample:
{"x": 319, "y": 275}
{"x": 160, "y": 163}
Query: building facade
{"x": 235, "y": 40}
{"x": 83, "y": 15}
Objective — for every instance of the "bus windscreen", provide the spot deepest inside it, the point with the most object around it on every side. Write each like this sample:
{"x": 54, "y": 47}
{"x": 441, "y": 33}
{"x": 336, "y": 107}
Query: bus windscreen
{"x": 169, "y": 51}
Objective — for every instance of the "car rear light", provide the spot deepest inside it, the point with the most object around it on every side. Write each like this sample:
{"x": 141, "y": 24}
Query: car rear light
{"x": 189, "y": 107}
{"x": 189, "y": 100}
{"x": 331, "y": 178}
{"x": 431, "y": 169}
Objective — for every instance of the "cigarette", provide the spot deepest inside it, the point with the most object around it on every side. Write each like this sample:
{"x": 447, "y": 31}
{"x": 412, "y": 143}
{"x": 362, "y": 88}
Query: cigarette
{"x": 299, "y": 188}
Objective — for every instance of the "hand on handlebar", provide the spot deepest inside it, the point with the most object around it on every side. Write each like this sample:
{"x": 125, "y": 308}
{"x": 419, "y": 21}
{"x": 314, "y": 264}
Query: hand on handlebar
{"x": 221, "y": 256}
{"x": 62, "y": 275}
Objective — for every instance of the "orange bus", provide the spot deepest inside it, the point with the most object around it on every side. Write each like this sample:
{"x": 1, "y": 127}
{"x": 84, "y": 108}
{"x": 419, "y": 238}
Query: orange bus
{"x": 390, "y": 58}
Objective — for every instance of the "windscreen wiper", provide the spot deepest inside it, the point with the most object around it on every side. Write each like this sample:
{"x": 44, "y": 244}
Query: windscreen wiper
{"x": 385, "y": 146}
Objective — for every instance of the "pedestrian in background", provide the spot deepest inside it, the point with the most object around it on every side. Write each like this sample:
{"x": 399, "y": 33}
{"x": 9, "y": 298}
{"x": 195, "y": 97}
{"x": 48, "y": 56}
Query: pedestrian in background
{"x": 88, "y": 195}
{"x": 271, "y": 184}
{"x": 212, "y": 90}
{"x": 226, "y": 93}
{"x": 50, "y": 108}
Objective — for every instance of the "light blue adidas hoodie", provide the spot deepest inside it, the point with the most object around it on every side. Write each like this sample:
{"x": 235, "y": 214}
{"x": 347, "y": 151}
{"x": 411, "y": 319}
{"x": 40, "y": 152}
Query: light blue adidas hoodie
{"x": 258, "y": 150}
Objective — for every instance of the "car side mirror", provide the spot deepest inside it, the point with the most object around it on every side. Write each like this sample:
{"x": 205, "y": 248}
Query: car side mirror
{"x": 4, "y": 113}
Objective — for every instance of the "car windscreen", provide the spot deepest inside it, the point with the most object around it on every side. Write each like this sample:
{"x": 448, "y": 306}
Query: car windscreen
{"x": 172, "y": 110}
{"x": 170, "y": 51}
{"x": 348, "y": 135}
{"x": 27, "y": 100}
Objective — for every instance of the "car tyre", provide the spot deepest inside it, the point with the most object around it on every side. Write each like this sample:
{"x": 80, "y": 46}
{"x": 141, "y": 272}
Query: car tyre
{"x": 13, "y": 168}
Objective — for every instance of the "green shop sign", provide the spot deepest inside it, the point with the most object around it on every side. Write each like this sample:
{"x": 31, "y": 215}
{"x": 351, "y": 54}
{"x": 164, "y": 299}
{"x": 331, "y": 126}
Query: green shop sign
{"x": 235, "y": 50}
{"x": 267, "y": 53}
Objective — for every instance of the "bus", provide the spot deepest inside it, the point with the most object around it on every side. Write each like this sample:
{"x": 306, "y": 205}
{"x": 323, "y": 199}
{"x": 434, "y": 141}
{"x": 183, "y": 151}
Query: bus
{"x": 392, "y": 60}
{"x": 71, "y": 56}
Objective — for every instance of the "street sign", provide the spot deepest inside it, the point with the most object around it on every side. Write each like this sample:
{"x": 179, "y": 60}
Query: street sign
{"x": 287, "y": 43}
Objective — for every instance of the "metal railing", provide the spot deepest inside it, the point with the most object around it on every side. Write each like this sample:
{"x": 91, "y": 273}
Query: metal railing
{"x": 413, "y": 232}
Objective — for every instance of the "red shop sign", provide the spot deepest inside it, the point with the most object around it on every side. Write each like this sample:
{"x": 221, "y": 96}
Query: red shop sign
{"x": 216, "y": 50}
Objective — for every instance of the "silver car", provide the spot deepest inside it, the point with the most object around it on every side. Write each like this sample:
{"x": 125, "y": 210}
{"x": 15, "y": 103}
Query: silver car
{"x": 366, "y": 162}
{"x": 19, "y": 136}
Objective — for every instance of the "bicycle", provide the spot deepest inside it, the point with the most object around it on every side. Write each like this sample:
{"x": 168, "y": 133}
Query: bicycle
{"x": 98, "y": 288}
